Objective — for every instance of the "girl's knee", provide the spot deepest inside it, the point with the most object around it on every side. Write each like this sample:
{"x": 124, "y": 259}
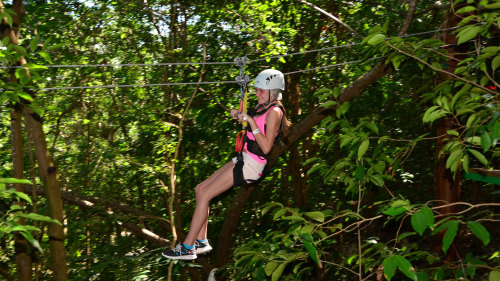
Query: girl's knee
{"x": 199, "y": 189}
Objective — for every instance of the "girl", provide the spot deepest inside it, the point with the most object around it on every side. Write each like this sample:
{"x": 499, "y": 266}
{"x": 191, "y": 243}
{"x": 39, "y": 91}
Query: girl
{"x": 264, "y": 123}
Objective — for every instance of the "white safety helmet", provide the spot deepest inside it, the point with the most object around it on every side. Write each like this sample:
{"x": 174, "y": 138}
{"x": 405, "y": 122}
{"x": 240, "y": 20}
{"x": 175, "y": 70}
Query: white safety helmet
{"x": 270, "y": 79}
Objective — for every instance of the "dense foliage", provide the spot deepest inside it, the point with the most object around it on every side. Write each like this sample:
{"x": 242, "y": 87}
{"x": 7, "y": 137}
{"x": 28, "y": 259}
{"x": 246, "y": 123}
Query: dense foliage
{"x": 132, "y": 134}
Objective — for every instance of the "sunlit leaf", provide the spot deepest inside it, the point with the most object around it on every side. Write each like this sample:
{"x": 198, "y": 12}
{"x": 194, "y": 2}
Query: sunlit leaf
{"x": 479, "y": 156}
{"x": 270, "y": 267}
{"x": 468, "y": 33}
{"x": 34, "y": 44}
{"x": 494, "y": 276}
{"x": 37, "y": 217}
{"x": 486, "y": 141}
{"x": 363, "y": 148}
{"x": 316, "y": 215}
{"x": 376, "y": 39}
{"x": 14, "y": 180}
{"x": 277, "y": 273}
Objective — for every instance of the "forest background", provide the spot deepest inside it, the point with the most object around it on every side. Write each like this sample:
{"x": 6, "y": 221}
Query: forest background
{"x": 388, "y": 172}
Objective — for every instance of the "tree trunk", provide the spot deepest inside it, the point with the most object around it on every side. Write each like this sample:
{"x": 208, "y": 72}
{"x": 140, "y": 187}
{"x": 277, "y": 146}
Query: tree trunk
{"x": 46, "y": 167}
{"x": 23, "y": 259}
{"x": 447, "y": 188}
{"x": 48, "y": 174}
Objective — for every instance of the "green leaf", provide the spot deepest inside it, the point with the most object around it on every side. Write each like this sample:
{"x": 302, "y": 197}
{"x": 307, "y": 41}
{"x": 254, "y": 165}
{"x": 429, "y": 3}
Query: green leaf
{"x": 270, "y": 267}
{"x": 363, "y": 148}
{"x": 433, "y": 113}
{"x": 341, "y": 110}
{"x": 394, "y": 211}
{"x": 9, "y": 19}
{"x": 329, "y": 103}
{"x": 404, "y": 235}
{"x": 37, "y": 217}
{"x": 279, "y": 213}
{"x": 313, "y": 252}
{"x": 465, "y": 163}
{"x": 316, "y": 215}
{"x": 466, "y": 9}
{"x": 391, "y": 263}
{"x": 417, "y": 222}
{"x": 479, "y": 156}
{"x": 308, "y": 241}
{"x": 315, "y": 168}
{"x": 493, "y": 6}
{"x": 454, "y": 158}
{"x": 24, "y": 228}
{"x": 390, "y": 266}
{"x": 14, "y": 180}
{"x": 495, "y": 63}
{"x": 293, "y": 218}
{"x": 33, "y": 66}
{"x": 34, "y": 44}
{"x": 359, "y": 173}
{"x": 32, "y": 240}
{"x": 405, "y": 266}
{"x": 376, "y": 39}
{"x": 468, "y": 33}
{"x": 22, "y": 195}
{"x": 309, "y": 228}
{"x": 45, "y": 55}
{"x": 277, "y": 273}
{"x": 307, "y": 237}
{"x": 486, "y": 141}
{"x": 422, "y": 219}
{"x": 480, "y": 231}
{"x": 373, "y": 127}
{"x": 449, "y": 236}
{"x": 19, "y": 49}
{"x": 24, "y": 95}
{"x": 494, "y": 275}
{"x": 336, "y": 92}
{"x": 495, "y": 131}
{"x": 429, "y": 216}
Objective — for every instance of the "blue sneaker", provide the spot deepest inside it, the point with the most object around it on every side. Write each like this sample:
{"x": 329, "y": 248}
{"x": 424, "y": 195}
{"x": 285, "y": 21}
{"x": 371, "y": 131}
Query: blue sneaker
{"x": 201, "y": 247}
{"x": 180, "y": 253}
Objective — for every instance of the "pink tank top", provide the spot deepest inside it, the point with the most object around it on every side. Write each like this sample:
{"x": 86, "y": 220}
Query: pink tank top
{"x": 261, "y": 123}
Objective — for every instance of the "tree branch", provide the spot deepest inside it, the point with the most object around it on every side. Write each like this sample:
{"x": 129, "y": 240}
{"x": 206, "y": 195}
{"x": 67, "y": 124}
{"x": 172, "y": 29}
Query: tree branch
{"x": 332, "y": 17}
{"x": 91, "y": 203}
{"x": 412, "y": 6}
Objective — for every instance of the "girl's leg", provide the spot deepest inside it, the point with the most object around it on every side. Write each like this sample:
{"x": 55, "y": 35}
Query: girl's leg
{"x": 219, "y": 182}
{"x": 203, "y": 232}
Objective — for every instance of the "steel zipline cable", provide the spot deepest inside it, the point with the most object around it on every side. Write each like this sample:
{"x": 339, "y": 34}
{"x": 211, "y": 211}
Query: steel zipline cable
{"x": 135, "y": 85}
{"x": 221, "y": 63}
{"x": 193, "y": 83}
{"x": 209, "y": 63}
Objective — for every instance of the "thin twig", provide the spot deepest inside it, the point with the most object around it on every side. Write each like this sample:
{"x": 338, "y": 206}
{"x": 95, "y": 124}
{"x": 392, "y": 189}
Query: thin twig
{"x": 343, "y": 267}
{"x": 332, "y": 17}
{"x": 441, "y": 70}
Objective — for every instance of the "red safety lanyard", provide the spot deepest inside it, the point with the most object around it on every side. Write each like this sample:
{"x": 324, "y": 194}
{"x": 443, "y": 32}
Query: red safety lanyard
{"x": 240, "y": 137}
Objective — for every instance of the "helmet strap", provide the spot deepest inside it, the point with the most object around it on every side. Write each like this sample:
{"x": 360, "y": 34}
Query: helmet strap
{"x": 269, "y": 101}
